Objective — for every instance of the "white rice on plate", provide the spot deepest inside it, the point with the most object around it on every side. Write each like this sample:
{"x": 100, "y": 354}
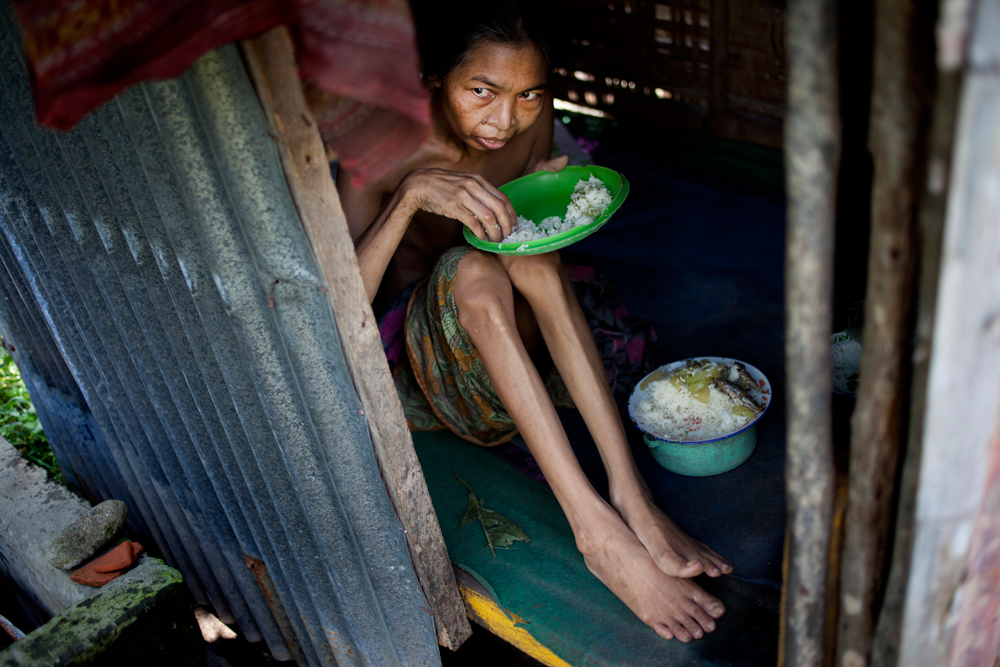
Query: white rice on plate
{"x": 675, "y": 412}
{"x": 588, "y": 201}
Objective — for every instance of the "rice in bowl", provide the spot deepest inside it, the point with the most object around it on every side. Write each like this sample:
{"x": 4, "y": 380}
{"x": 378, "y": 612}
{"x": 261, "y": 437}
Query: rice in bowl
{"x": 698, "y": 401}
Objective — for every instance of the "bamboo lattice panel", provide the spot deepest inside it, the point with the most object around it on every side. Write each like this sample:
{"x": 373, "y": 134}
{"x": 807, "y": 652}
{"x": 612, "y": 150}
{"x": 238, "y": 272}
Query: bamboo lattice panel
{"x": 690, "y": 64}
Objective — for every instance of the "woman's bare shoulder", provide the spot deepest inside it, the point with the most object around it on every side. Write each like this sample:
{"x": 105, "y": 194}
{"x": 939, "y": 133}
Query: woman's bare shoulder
{"x": 362, "y": 203}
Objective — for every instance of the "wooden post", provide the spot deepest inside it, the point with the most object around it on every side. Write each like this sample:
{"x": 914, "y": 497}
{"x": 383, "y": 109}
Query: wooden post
{"x": 895, "y": 143}
{"x": 270, "y": 60}
{"x": 885, "y": 646}
{"x": 963, "y": 387}
{"x": 812, "y": 154}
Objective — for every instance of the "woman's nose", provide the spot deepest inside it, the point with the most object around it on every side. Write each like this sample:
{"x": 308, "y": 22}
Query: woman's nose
{"x": 504, "y": 117}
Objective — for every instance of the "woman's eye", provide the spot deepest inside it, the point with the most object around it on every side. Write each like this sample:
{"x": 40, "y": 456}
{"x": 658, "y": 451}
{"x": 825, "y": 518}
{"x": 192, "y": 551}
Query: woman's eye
{"x": 530, "y": 97}
{"x": 480, "y": 92}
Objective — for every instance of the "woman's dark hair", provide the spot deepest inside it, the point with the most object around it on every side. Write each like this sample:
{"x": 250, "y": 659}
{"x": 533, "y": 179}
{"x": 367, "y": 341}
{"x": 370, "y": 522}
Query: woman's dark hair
{"x": 448, "y": 31}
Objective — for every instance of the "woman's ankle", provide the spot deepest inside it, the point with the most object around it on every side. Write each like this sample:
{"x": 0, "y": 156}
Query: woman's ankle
{"x": 599, "y": 526}
{"x": 630, "y": 500}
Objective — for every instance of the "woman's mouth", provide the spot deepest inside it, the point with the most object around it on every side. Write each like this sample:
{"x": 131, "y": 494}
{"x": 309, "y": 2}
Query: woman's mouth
{"x": 491, "y": 144}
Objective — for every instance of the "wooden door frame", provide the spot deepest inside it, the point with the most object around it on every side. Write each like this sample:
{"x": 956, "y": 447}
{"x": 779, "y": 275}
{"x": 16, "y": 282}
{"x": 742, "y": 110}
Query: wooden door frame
{"x": 270, "y": 61}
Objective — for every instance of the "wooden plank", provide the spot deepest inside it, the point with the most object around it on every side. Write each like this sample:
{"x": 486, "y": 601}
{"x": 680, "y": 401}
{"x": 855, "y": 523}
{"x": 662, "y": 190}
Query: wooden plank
{"x": 888, "y": 628}
{"x": 977, "y": 637}
{"x": 487, "y": 613}
{"x": 812, "y": 154}
{"x": 895, "y": 136}
{"x": 836, "y": 548}
{"x": 270, "y": 60}
{"x": 963, "y": 389}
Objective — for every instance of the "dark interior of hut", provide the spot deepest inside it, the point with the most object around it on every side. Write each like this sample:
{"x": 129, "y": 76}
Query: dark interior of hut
{"x": 686, "y": 100}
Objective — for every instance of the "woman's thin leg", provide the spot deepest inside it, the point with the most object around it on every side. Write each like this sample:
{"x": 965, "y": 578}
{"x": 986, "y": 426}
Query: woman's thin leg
{"x": 673, "y": 607}
{"x": 543, "y": 282}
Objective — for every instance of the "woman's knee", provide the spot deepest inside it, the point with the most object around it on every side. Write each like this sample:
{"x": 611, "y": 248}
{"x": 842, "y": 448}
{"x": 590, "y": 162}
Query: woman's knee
{"x": 535, "y": 271}
{"x": 482, "y": 289}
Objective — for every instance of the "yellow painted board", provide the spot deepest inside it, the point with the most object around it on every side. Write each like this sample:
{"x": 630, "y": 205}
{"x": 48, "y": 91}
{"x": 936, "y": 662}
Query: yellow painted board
{"x": 487, "y": 613}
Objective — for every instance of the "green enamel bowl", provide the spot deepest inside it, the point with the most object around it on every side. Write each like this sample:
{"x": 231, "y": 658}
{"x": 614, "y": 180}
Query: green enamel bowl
{"x": 701, "y": 459}
{"x": 695, "y": 456}
{"x": 543, "y": 194}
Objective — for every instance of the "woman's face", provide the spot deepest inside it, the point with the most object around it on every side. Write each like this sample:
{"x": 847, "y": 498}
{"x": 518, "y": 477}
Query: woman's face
{"x": 495, "y": 95}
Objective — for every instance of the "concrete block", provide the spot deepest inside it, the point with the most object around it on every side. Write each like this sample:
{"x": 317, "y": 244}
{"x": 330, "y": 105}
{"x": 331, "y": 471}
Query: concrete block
{"x": 87, "y": 535}
{"x": 33, "y": 510}
{"x": 144, "y": 617}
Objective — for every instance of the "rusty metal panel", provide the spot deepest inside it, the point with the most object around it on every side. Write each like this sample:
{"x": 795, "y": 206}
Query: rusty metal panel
{"x": 156, "y": 267}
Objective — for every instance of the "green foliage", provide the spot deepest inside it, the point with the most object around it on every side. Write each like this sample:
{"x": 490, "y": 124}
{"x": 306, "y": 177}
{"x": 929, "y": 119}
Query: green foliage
{"x": 18, "y": 421}
{"x": 500, "y": 531}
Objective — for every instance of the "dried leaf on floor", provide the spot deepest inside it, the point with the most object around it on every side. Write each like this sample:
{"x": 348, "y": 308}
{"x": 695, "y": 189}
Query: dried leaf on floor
{"x": 500, "y": 531}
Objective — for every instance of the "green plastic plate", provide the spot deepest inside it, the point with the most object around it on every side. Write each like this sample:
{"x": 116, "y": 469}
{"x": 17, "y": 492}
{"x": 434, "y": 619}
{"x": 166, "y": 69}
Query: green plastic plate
{"x": 544, "y": 193}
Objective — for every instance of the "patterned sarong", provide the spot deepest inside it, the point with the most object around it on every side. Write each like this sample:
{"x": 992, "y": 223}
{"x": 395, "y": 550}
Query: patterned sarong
{"x": 447, "y": 366}
{"x": 445, "y": 383}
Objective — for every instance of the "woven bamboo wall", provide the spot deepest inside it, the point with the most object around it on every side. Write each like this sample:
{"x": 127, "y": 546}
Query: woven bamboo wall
{"x": 713, "y": 66}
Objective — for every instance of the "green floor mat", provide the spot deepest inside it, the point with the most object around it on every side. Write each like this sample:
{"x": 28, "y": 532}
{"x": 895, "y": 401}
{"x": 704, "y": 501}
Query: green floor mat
{"x": 545, "y": 581}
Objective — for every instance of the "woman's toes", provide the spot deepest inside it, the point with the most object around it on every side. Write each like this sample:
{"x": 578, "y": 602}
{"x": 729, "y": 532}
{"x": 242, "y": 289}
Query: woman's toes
{"x": 691, "y": 568}
{"x": 678, "y": 566}
{"x": 716, "y": 564}
{"x": 680, "y": 632}
{"x": 694, "y": 628}
{"x": 703, "y": 619}
{"x": 712, "y": 606}
{"x": 664, "y": 632}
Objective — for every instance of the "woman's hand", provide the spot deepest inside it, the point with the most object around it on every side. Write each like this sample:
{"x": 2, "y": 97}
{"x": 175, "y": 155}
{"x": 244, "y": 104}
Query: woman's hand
{"x": 555, "y": 164}
{"x": 468, "y": 198}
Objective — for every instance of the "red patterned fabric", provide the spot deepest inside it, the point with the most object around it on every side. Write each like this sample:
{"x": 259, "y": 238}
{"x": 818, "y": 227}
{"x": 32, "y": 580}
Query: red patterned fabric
{"x": 359, "y": 58}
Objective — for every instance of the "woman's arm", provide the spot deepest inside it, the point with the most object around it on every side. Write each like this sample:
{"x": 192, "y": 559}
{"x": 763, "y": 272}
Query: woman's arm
{"x": 377, "y": 231}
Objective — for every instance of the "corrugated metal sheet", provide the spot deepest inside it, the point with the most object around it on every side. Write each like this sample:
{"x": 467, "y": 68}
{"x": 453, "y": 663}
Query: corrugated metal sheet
{"x": 170, "y": 315}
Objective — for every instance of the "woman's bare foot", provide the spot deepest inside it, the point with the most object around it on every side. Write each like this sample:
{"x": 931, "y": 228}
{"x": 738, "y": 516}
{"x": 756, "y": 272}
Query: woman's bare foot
{"x": 676, "y": 553}
{"x": 673, "y": 607}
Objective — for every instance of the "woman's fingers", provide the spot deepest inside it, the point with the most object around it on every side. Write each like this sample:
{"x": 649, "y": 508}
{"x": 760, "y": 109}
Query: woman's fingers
{"x": 484, "y": 231}
{"x": 473, "y": 224}
{"x": 500, "y": 205}
{"x": 469, "y": 198}
{"x": 485, "y": 216}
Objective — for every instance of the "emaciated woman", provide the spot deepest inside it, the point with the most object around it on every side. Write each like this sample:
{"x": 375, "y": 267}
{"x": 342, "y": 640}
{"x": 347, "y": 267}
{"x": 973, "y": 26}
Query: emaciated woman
{"x": 477, "y": 325}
